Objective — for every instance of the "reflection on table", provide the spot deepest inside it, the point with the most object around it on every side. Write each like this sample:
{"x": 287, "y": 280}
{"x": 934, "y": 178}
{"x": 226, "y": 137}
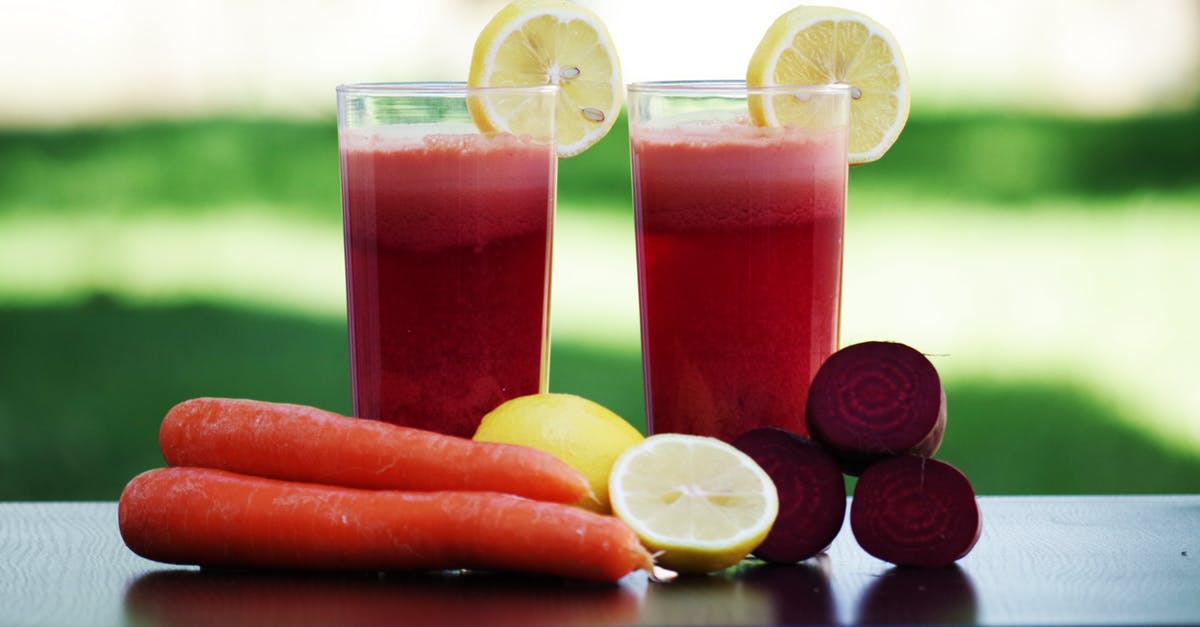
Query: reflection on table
{"x": 753, "y": 593}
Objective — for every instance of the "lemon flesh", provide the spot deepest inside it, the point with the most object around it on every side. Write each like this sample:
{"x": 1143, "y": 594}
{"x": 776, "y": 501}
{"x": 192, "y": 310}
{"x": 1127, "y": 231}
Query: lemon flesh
{"x": 699, "y": 502}
{"x": 582, "y": 433}
{"x": 549, "y": 42}
{"x": 812, "y": 45}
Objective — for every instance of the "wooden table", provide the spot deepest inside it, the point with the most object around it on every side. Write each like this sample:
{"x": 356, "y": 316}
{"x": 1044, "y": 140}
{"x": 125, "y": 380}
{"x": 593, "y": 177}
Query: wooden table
{"x": 1040, "y": 560}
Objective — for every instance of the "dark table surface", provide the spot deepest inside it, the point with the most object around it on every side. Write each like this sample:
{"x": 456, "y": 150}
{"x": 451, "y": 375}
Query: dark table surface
{"x": 1040, "y": 560}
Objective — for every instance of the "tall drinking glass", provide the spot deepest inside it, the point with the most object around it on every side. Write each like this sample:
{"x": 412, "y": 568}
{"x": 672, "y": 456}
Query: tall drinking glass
{"x": 447, "y": 240}
{"x": 739, "y": 241}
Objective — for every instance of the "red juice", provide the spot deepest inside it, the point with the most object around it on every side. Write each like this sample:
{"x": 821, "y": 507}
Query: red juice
{"x": 740, "y": 256}
{"x": 447, "y": 266}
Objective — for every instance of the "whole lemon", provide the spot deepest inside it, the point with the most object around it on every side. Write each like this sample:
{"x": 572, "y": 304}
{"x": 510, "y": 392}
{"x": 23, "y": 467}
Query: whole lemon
{"x": 582, "y": 433}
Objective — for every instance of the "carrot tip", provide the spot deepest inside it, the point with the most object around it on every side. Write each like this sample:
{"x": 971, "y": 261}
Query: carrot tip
{"x": 591, "y": 497}
{"x": 658, "y": 574}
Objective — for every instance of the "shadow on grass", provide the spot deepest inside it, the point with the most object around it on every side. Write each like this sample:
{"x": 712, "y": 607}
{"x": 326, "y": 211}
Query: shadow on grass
{"x": 188, "y": 165}
{"x": 83, "y": 388}
{"x": 194, "y": 165}
{"x": 1013, "y": 159}
{"x": 1053, "y": 438}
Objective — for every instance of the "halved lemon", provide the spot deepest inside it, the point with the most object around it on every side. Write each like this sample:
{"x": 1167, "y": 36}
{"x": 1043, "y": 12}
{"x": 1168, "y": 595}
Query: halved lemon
{"x": 699, "y": 502}
{"x": 549, "y": 42}
{"x": 812, "y": 45}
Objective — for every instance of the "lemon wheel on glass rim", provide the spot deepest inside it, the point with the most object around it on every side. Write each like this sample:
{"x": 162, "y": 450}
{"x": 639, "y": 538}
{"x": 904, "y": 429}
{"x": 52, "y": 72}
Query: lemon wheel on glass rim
{"x": 812, "y": 45}
{"x": 549, "y": 42}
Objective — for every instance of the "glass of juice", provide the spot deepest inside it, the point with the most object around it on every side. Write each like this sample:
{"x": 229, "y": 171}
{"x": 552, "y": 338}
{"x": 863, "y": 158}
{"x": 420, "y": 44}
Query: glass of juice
{"x": 739, "y": 242}
{"x": 447, "y": 240}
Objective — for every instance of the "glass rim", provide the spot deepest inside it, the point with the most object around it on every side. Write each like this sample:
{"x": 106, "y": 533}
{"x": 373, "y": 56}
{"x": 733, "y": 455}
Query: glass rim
{"x": 733, "y": 87}
{"x": 435, "y": 88}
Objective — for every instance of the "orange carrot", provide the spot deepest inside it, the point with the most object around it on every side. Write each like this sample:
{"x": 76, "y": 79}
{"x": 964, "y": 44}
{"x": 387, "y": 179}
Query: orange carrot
{"x": 221, "y": 519}
{"x": 300, "y": 443}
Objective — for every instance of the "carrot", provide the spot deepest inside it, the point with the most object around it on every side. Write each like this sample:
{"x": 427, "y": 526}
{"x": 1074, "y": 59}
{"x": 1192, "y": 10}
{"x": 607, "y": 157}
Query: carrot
{"x": 215, "y": 518}
{"x": 300, "y": 443}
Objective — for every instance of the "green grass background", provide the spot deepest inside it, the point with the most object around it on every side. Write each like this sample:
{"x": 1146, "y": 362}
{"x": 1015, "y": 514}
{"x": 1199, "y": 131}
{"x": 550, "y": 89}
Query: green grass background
{"x": 86, "y": 375}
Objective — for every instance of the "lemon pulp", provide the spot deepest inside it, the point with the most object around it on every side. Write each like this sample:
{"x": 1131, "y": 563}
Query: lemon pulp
{"x": 698, "y": 501}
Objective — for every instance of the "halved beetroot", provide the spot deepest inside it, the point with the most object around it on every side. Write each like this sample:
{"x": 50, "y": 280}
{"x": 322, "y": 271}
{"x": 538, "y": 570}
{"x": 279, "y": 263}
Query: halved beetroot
{"x": 874, "y": 400}
{"x": 915, "y": 511}
{"x": 812, "y": 493}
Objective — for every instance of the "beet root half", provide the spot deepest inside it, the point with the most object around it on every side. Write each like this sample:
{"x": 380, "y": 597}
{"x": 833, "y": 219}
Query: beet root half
{"x": 874, "y": 400}
{"x": 812, "y": 493}
{"x": 915, "y": 511}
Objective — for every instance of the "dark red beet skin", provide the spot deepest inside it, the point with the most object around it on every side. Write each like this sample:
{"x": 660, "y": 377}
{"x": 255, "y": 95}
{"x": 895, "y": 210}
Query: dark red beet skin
{"x": 915, "y": 511}
{"x": 812, "y": 493}
{"x": 874, "y": 400}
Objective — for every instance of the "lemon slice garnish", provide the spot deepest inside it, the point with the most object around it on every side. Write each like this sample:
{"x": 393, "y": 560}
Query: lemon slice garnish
{"x": 817, "y": 45}
{"x": 698, "y": 501}
{"x": 549, "y": 42}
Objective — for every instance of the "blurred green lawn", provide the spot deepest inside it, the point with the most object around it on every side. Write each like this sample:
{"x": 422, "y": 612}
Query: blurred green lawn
{"x": 87, "y": 372}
